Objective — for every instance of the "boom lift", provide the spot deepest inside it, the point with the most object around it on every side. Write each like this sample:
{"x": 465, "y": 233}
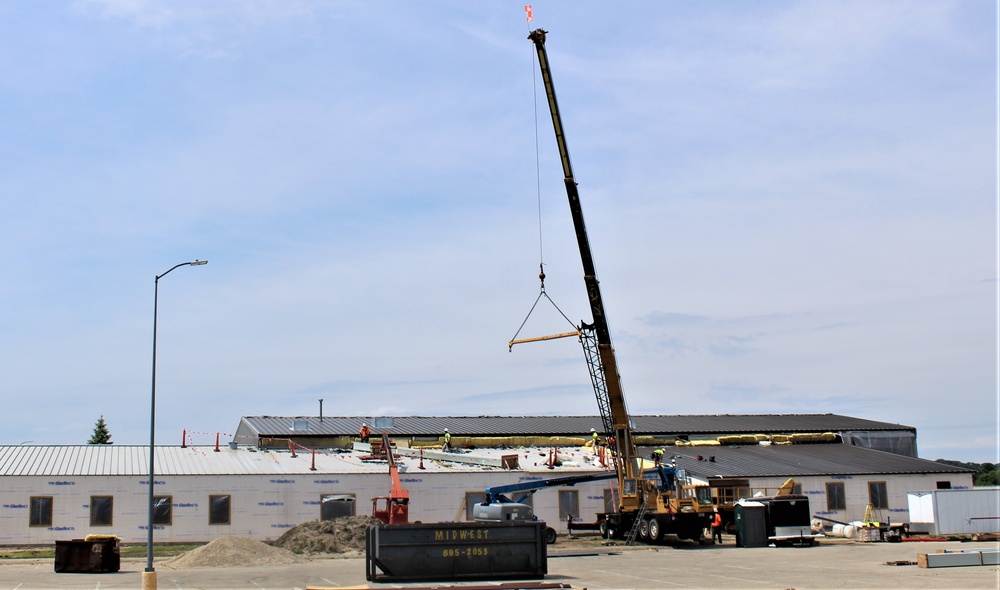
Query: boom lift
{"x": 498, "y": 506}
{"x": 394, "y": 508}
{"x": 650, "y": 504}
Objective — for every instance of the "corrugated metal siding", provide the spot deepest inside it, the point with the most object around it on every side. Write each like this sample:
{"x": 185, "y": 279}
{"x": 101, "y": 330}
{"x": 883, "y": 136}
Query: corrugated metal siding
{"x": 281, "y": 426}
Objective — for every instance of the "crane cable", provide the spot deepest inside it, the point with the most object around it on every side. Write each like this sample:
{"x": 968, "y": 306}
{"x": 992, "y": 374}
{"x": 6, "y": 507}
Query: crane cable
{"x": 541, "y": 257}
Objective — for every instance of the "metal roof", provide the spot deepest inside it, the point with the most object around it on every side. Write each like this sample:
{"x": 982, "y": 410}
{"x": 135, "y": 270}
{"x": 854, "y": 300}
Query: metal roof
{"x": 798, "y": 460}
{"x": 133, "y": 460}
{"x": 283, "y": 426}
{"x": 729, "y": 461}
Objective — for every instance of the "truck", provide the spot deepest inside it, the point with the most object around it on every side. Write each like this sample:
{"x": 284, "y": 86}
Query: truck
{"x": 654, "y": 502}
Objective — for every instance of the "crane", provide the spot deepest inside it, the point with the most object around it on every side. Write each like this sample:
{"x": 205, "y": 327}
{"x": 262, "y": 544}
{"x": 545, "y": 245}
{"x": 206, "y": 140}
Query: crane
{"x": 650, "y": 503}
{"x": 394, "y": 508}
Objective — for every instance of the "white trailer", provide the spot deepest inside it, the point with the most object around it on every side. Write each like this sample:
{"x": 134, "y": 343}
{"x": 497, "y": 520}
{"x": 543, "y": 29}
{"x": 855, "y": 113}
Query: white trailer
{"x": 967, "y": 511}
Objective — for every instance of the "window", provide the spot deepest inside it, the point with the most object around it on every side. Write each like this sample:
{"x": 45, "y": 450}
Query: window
{"x": 877, "y": 495}
{"x": 471, "y": 499}
{"x": 703, "y": 494}
{"x": 336, "y": 505}
{"x": 162, "y": 510}
{"x": 100, "y": 510}
{"x": 218, "y": 509}
{"x": 944, "y": 485}
{"x": 836, "y": 499}
{"x": 728, "y": 491}
{"x": 629, "y": 487}
{"x": 41, "y": 511}
{"x": 569, "y": 503}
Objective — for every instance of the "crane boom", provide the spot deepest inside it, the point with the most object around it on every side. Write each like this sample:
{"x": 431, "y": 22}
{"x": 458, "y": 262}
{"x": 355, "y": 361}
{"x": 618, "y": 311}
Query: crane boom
{"x": 654, "y": 502}
{"x": 616, "y": 418}
{"x": 394, "y": 508}
{"x": 499, "y": 493}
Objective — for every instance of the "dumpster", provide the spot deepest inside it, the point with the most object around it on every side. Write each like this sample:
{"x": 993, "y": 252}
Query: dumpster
{"x": 455, "y": 551}
{"x": 96, "y": 554}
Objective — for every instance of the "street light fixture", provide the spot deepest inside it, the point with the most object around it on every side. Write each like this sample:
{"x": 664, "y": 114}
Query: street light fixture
{"x": 149, "y": 575}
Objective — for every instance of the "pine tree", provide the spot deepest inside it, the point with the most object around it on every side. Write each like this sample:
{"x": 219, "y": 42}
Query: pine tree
{"x": 101, "y": 436}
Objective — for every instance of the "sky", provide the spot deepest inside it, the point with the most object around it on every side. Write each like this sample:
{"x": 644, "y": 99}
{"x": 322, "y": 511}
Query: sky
{"x": 792, "y": 208}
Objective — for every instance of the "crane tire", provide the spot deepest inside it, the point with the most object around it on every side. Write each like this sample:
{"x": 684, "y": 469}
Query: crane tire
{"x": 655, "y": 530}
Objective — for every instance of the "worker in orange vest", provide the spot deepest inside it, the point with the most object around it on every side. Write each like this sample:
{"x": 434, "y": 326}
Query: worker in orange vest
{"x": 717, "y": 527}
{"x": 365, "y": 432}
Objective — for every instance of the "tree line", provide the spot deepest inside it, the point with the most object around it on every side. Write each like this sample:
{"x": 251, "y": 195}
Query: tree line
{"x": 987, "y": 474}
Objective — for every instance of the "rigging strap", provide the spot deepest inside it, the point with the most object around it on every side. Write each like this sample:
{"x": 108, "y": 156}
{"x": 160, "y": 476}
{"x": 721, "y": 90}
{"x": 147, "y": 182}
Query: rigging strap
{"x": 541, "y": 293}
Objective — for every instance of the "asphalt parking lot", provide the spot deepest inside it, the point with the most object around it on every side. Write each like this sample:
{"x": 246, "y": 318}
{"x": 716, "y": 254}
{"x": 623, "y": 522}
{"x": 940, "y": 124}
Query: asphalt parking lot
{"x": 830, "y": 564}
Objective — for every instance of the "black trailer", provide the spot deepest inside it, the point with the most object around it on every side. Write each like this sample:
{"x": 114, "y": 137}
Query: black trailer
{"x": 787, "y": 519}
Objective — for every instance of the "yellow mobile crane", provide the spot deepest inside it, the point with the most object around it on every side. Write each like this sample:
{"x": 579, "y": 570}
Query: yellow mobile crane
{"x": 653, "y": 501}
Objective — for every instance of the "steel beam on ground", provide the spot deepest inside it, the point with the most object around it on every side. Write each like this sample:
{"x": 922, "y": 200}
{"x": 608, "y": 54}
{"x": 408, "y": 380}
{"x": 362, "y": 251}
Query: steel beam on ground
{"x": 960, "y": 558}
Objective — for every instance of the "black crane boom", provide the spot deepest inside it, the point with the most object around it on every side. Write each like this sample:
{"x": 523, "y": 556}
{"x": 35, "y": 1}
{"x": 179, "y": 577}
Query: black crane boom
{"x": 611, "y": 398}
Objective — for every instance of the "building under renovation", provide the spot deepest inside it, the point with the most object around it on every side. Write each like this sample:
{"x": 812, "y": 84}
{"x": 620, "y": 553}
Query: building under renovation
{"x": 277, "y": 473}
{"x": 650, "y": 430}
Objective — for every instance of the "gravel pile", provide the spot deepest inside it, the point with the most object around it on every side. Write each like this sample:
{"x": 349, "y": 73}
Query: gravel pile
{"x": 340, "y": 535}
{"x": 232, "y": 552}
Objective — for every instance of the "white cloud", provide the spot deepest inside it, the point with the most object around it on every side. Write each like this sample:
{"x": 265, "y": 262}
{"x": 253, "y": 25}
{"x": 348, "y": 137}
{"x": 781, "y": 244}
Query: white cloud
{"x": 791, "y": 207}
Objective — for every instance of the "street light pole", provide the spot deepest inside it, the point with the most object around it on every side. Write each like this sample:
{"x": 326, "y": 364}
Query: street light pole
{"x": 149, "y": 575}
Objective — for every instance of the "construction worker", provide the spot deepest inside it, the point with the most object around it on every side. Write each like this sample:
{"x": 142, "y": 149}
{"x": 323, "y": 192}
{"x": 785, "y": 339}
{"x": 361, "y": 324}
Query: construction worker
{"x": 657, "y": 456}
{"x": 364, "y": 432}
{"x": 594, "y": 438}
{"x": 447, "y": 441}
{"x": 717, "y": 527}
